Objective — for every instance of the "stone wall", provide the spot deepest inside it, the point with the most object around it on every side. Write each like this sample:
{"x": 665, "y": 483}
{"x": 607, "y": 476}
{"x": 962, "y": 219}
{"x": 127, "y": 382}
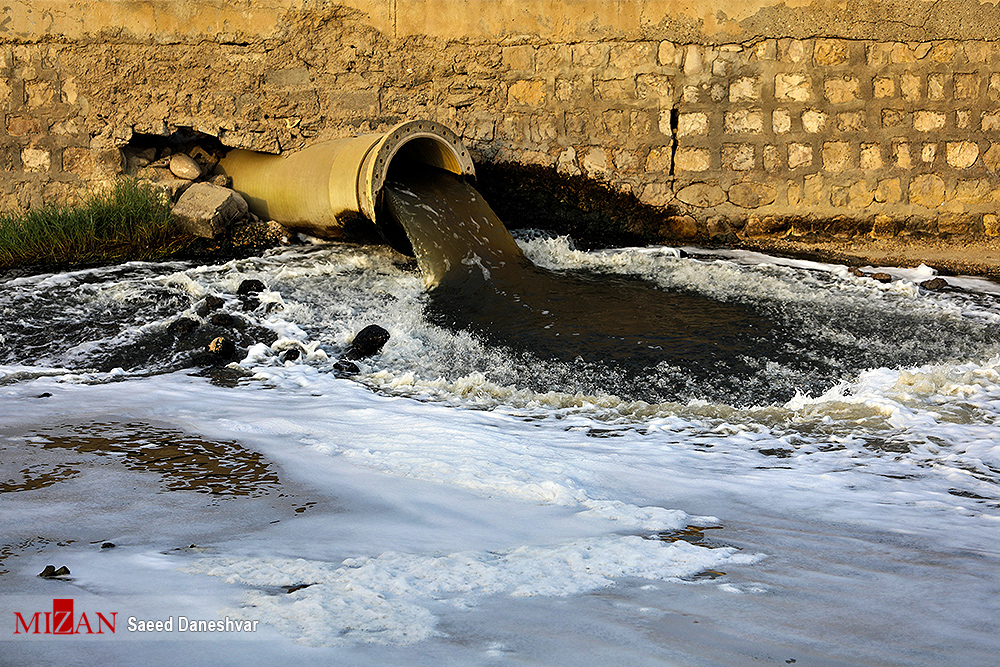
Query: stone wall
{"x": 844, "y": 118}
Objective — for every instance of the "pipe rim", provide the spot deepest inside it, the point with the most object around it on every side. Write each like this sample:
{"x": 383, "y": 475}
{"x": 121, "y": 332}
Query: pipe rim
{"x": 381, "y": 155}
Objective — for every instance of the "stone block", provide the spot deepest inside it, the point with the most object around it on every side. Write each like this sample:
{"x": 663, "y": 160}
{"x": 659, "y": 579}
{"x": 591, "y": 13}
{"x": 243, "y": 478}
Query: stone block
{"x": 679, "y": 227}
{"x": 772, "y": 158}
{"x": 836, "y": 155}
{"x": 744, "y": 121}
{"x": 888, "y": 191}
{"x": 752, "y": 195}
{"x": 851, "y": 121}
{"x": 884, "y": 87}
{"x": 895, "y": 118}
{"x": 935, "y": 86}
{"x": 526, "y": 93}
{"x": 591, "y": 55}
{"x": 627, "y": 58}
{"x": 595, "y": 162}
{"x": 793, "y": 193}
{"x": 20, "y": 126}
{"x": 518, "y": 59}
{"x": 943, "y": 52}
{"x": 839, "y": 196}
{"x": 781, "y": 121}
{"x": 667, "y": 54}
{"x": 991, "y": 158}
{"x": 702, "y": 195}
{"x": 745, "y": 89}
{"x": 841, "y": 90}
{"x": 929, "y": 121}
{"x": 693, "y": 63}
{"x": 956, "y": 223}
{"x": 738, "y": 157}
{"x": 928, "y": 152}
{"x": 991, "y": 225}
{"x": 794, "y": 50}
{"x": 207, "y": 210}
{"x": 658, "y": 160}
{"x": 963, "y": 119}
{"x": 799, "y": 155}
{"x": 615, "y": 90}
{"x": 36, "y": 159}
{"x": 693, "y": 159}
{"x": 966, "y": 86}
{"x": 909, "y": 87}
{"x": 655, "y": 87}
{"x": 80, "y": 161}
{"x": 974, "y": 192}
{"x": 690, "y": 94}
{"x": 860, "y": 195}
{"x": 792, "y": 87}
{"x": 902, "y": 153}
{"x": 828, "y": 52}
{"x": 991, "y": 121}
{"x": 813, "y": 121}
{"x": 657, "y": 194}
{"x": 927, "y": 190}
{"x": 961, "y": 154}
{"x": 871, "y": 156}
{"x": 692, "y": 124}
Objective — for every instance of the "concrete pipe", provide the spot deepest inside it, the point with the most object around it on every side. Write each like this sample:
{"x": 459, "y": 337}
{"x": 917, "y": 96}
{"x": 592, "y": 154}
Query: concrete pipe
{"x": 318, "y": 189}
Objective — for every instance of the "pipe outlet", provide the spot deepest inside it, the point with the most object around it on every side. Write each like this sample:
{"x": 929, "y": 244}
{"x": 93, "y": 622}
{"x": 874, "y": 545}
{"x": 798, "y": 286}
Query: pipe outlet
{"x": 317, "y": 189}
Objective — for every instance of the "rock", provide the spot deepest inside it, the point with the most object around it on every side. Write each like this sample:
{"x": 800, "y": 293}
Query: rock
{"x": 207, "y": 210}
{"x": 881, "y": 277}
{"x": 250, "y": 286}
{"x": 291, "y": 354}
{"x": 752, "y": 195}
{"x": 222, "y": 348}
{"x": 50, "y": 572}
{"x": 367, "y": 342}
{"x": 182, "y": 325}
{"x": 346, "y": 367}
{"x": 211, "y": 302}
{"x": 702, "y": 195}
{"x": 185, "y": 166}
{"x": 934, "y": 284}
{"x": 221, "y": 319}
{"x": 222, "y": 180}
{"x": 108, "y": 545}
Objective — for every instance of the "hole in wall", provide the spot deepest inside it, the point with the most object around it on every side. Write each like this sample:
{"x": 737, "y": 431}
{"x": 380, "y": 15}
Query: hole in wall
{"x": 146, "y": 155}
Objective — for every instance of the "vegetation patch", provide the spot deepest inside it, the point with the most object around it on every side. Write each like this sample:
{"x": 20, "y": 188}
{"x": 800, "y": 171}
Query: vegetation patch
{"x": 128, "y": 221}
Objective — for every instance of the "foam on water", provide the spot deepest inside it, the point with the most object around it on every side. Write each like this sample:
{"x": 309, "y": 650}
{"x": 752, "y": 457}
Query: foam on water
{"x": 455, "y": 484}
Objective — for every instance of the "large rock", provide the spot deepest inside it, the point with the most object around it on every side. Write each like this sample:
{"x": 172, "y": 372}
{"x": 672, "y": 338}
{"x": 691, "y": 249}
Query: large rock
{"x": 207, "y": 210}
{"x": 184, "y": 166}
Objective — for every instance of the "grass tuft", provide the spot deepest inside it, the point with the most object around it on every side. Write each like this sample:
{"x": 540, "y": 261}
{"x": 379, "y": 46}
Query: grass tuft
{"x": 128, "y": 221}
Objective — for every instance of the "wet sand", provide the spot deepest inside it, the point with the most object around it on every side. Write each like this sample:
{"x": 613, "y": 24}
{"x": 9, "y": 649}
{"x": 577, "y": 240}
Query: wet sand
{"x": 949, "y": 256}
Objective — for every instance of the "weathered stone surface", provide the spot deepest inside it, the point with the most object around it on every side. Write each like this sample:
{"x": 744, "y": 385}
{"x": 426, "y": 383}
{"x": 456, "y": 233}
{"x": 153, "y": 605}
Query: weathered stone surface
{"x": 927, "y": 190}
{"x": 679, "y": 227}
{"x": 702, "y": 195}
{"x": 693, "y": 159}
{"x": 752, "y": 195}
{"x": 884, "y": 227}
{"x": 207, "y": 210}
{"x": 961, "y": 154}
{"x": 184, "y": 166}
{"x": 888, "y": 191}
{"x": 935, "y": 284}
{"x": 764, "y": 226}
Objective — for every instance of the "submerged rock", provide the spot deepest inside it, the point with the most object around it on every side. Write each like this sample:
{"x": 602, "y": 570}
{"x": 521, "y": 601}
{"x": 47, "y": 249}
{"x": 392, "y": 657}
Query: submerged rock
{"x": 223, "y": 348}
{"x": 250, "y": 286}
{"x": 368, "y": 342}
{"x": 934, "y": 284}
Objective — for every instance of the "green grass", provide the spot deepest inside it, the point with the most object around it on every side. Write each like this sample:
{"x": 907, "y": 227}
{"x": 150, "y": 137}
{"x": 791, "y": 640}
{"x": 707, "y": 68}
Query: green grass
{"x": 128, "y": 221}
